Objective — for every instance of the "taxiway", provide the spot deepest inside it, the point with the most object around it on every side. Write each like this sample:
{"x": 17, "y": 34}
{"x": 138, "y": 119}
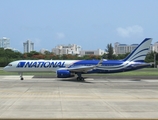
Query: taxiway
{"x": 68, "y": 98}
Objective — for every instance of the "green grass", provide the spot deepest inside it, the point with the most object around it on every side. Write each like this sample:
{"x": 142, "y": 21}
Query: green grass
{"x": 141, "y": 72}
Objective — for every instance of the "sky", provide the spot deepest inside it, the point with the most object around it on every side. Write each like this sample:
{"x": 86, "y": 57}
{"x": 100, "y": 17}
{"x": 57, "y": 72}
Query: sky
{"x": 92, "y": 24}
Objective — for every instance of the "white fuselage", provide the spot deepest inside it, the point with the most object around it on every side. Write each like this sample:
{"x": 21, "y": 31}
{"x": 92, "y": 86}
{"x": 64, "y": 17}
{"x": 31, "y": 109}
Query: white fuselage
{"x": 38, "y": 65}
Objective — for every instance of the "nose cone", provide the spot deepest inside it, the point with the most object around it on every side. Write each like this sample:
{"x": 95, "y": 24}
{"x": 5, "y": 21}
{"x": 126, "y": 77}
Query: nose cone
{"x": 5, "y": 68}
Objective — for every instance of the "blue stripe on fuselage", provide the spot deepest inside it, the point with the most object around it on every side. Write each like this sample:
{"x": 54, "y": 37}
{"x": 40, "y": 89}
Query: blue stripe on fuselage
{"x": 128, "y": 68}
{"x": 86, "y": 62}
{"x": 95, "y": 62}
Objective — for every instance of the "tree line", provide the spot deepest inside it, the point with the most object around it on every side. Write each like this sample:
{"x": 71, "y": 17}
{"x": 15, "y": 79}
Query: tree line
{"x": 8, "y": 55}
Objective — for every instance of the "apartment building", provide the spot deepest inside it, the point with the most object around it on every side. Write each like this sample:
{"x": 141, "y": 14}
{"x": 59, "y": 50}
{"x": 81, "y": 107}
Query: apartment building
{"x": 67, "y": 49}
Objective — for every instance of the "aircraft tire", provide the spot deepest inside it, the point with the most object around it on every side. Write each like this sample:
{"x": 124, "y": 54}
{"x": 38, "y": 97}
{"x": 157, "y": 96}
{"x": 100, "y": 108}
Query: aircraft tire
{"x": 77, "y": 78}
{"x": 80, "y": 79}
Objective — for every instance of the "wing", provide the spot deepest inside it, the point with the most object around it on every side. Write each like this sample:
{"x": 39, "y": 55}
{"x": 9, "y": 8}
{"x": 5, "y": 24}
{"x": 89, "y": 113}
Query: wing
{"x": 82, "y": 68}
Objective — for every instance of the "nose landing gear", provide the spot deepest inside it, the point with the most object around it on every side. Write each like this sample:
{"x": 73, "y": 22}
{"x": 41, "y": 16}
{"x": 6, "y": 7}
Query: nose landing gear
{"x": 21, "y": 76}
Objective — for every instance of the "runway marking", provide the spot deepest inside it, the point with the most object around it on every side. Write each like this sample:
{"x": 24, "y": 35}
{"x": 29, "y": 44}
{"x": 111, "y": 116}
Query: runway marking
{"x": 150, "y": 80}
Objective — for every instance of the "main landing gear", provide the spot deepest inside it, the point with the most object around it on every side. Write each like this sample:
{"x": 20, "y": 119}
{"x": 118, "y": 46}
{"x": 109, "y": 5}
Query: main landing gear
{"x": 79, "y": 78}
{"x": 21, "y": 76}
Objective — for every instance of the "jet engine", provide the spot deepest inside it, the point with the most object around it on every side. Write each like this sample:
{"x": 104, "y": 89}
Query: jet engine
{"x": 64, "y": 74}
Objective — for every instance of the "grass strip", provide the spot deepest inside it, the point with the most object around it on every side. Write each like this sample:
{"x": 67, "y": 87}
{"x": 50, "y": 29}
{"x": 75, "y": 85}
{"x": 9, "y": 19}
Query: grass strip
{"x": 142, "y": 72}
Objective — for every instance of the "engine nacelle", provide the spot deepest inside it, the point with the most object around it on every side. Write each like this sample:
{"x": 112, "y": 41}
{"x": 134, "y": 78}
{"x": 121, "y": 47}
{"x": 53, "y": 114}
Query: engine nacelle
{"x": 64, "y": 74}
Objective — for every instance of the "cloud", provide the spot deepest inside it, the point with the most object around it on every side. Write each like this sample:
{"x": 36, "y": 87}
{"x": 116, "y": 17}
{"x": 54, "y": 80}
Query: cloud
{"x": 130, "y": 31}
{"x": 60, "y": 36}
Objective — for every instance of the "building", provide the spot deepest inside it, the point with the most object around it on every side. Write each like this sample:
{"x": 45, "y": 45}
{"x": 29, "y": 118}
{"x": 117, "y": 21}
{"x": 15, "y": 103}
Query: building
{"x": 28, "y": 46}
{"x": 123, "y": 48}
{"x": 72, "y": 49}
{"x": 155, "y": 47}
{"x": 5, "y": 42}
{"x": 151, "y": 48}
{"x": 43, "y": 51}
{"x": 92, "y": 52}
{"x": 13, "y": 49}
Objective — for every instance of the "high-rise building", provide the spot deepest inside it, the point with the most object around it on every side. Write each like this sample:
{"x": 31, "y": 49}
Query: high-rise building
{"x": 67, "y": 49}
{"x": 4, "y": 42}
{"x": 28, "y": 46}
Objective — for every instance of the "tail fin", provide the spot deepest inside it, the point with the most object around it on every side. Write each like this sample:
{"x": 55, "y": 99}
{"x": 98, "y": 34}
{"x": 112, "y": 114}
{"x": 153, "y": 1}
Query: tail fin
{"x": 140, "y": 52}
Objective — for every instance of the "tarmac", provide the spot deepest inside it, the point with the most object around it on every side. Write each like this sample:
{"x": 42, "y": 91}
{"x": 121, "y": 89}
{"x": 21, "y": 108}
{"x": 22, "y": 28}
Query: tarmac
{"x": 94, "y": 98}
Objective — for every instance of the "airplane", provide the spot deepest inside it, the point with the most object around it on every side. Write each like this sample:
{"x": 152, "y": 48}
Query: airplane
{"x": 70, "y": 68}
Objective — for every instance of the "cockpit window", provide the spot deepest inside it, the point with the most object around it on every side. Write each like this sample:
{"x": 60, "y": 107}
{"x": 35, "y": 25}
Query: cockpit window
{"x": 9, "y": 64}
